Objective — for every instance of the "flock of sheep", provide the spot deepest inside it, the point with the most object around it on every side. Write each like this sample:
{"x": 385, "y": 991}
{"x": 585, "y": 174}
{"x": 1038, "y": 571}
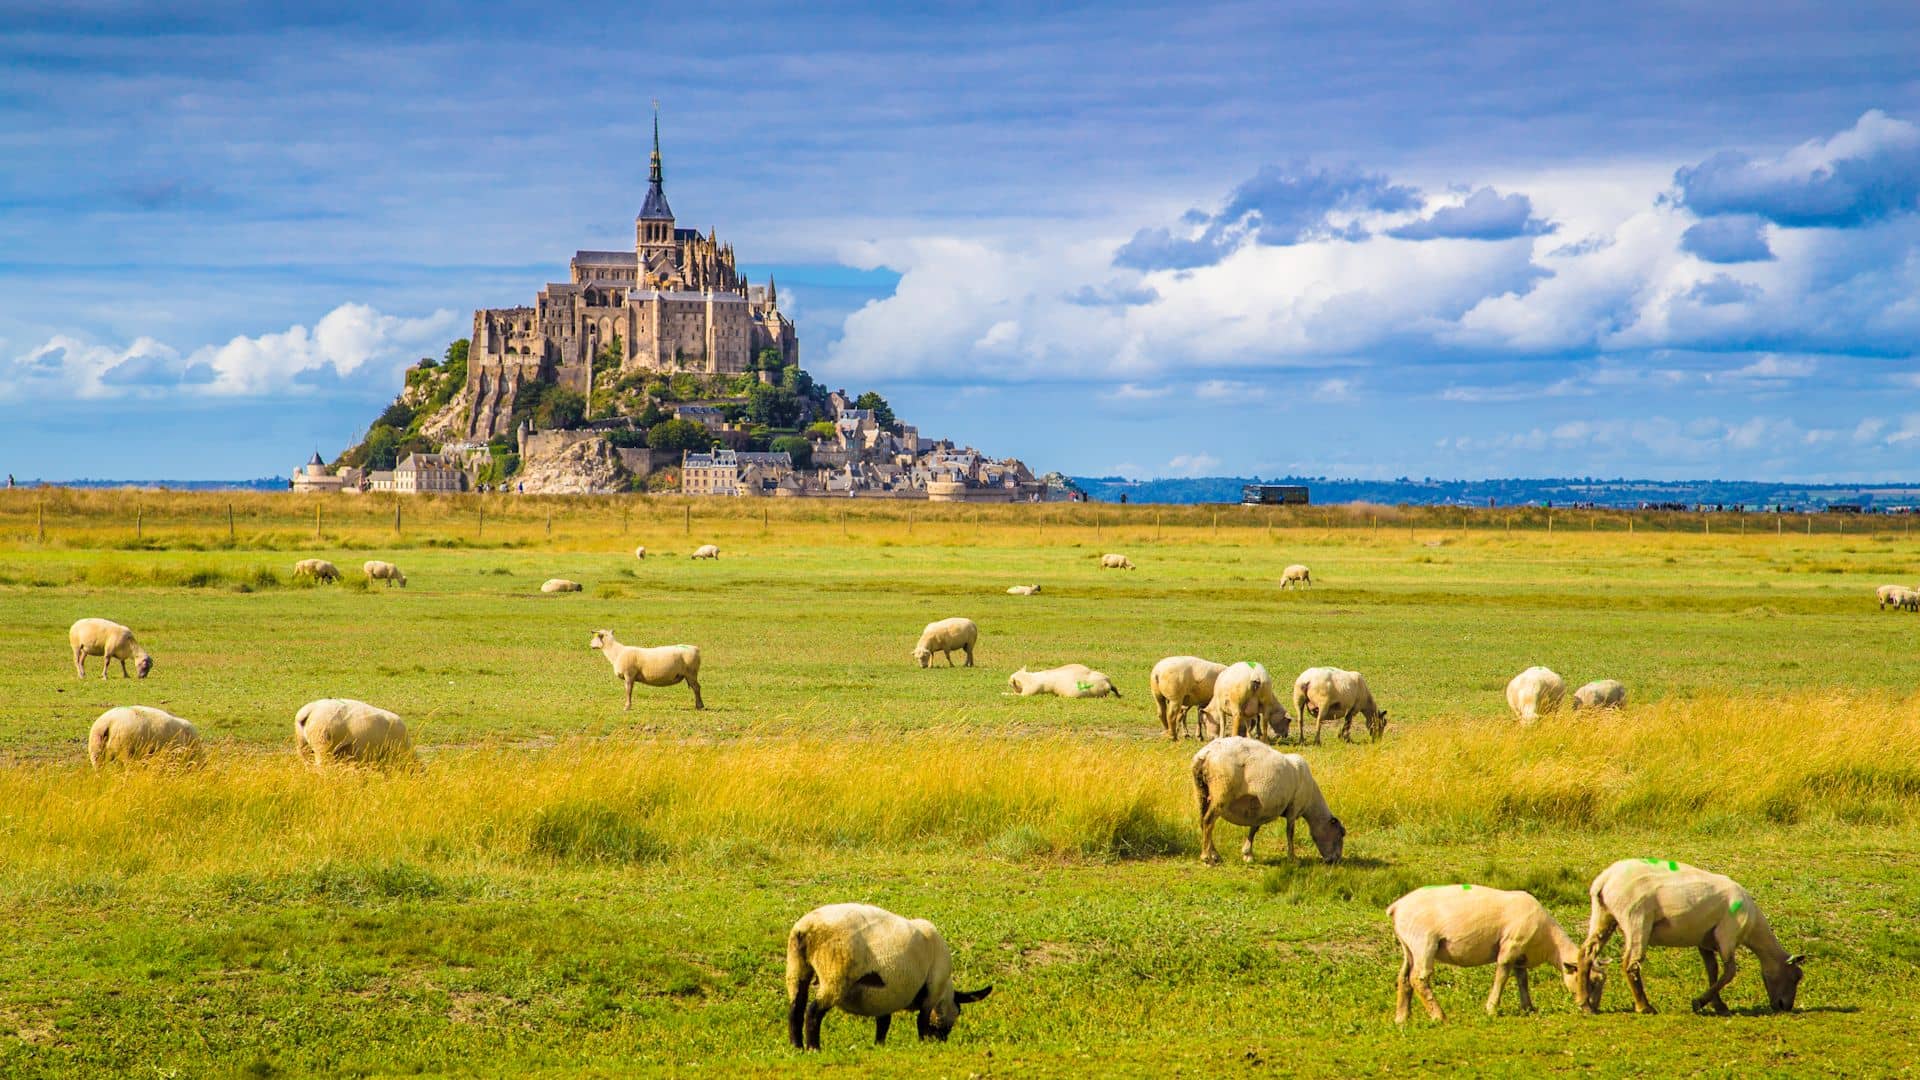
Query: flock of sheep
{"x": 870, "y": 962}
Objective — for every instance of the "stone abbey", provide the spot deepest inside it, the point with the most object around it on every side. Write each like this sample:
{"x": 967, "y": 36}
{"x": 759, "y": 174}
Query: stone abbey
{"x": 673, "y": 303}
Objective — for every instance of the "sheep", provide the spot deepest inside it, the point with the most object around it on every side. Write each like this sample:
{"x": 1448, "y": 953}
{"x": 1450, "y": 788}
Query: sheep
{"x": 1180, "y": 683}
{"x": 867, "y": 961}
{"x": 1250, "y": 783}
{"x": 383, "y": 571}
{"x": 1600, "y": 694}
{"x": 1024, "y": 590}
{"x": 1534, "y": 693}
{"x": 1328, "y": 693}
{"x": 706, "y": 551}
{"x": 1243, "y": 699}
{"x": 333, "y": 731}
{"x": 107, "y": 639}
{"x": 1069, "y": 680}
{"x": 1295, "y": 576}
{"x": 317, "y": 569}
{"x": 1887, "y": 594}
{"x": 559, "y": 584}
{"x": 1116, "y": 562}
{"x": 640, "y": 552}
{"x": 944, "y": 636}
{"x": 133, "y": 732}
{"x": 1472, "y": 926}
{"x": 1906, "y": 599}
{"x": 1669, "y": 904}
{"x": 662, "y": 665}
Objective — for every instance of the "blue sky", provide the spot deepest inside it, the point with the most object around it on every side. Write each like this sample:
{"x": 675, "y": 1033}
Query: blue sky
{"x": 1362, "y": 240}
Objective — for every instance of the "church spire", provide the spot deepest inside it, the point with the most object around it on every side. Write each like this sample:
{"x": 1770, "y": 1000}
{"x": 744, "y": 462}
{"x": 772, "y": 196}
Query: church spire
{"x": 656, "y": 208}
{"x": 653, "y": 173}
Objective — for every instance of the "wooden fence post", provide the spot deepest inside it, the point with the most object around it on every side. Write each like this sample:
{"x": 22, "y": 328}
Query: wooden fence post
{"x": 688, "y": 528}
{"x": 138, "y": 530}
{"x": 229, "y": 523}
{"x": 549, "y": 522}
{"x": 40, "y": 519}
{"x": 316, "y": 521}
{"x": 396, "y": 515}
{"x": 481, "y": 530}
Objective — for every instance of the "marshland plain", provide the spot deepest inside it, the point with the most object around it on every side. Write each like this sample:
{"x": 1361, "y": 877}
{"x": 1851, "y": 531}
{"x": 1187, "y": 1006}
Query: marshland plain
{"x": 567, "y": 888}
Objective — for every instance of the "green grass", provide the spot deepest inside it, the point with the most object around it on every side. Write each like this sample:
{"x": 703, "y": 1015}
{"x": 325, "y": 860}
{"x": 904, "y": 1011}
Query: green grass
{"x": 567, "y": 888}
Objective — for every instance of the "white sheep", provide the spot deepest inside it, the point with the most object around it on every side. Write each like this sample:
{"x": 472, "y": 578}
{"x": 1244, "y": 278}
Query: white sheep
{"x": 1600, "y": 694}
{"x": 1023, "y": 590}
{"x": 1660, "y": 902}
{"x": 317, "y": 569}
{"x": 1249, "y": 783}
{"x": 640, "y": 552}
{"x": 1887, "y": 595}
{"x": 663, "y": 665}
{"x": 868, "y": 961}
{"x": 1295, "y": 576}
{"x": 1534, "y": 693}
{"x": 333, "y": 731}
{"x": 1906, "y": 599}
{"x": 1180, "y": 683}
{"x": 946, "y": 636}
{"x": 1243, "y": 702}
{"x": 1116, "y": 562}
{"x": 1473, "y": 926}
{"x": 553, "y": 585}
{"x": 136, "y": 732}
{"x": 706, "y": 551}
{"x": 111, "y": 641}
{"x": 383, "y": 571}
{"x": 1068, "y": 680}
{"x": 1329, "y": 693}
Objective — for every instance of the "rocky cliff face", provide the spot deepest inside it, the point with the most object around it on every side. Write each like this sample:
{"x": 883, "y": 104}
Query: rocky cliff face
{"x": 591, "y": 467}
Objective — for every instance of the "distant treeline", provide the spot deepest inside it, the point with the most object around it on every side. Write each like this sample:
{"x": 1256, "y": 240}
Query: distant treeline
{"x": 1575, "y": 491}
{"x": 265, "y": 483}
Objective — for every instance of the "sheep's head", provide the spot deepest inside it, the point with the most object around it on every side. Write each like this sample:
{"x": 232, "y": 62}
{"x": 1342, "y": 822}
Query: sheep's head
{"x": 1587, "y": 997}
{"x": 937, "y": 1022}
{"x": 1783, "y": 983}
{"x": 1377, "y": 725}
{"x": 923, "y": 654}
{"x": 143, "y": 665}
{"x": 1330, "y": 838}
{"x": 600, "y": 639}
{"x": 1013, "y": 680}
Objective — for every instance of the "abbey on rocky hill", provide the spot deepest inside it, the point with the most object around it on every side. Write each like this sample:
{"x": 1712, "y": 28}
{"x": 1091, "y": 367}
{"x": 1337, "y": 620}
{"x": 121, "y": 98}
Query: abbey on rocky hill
{"x": 673, "y": 303}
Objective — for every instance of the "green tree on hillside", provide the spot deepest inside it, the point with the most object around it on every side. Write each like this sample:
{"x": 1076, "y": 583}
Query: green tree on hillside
{"x": 675, "y": 436}
{"x": 773, "y": 406}
{"x": 798, "y": 447}
{"x": 882, "y": 412}
{"x": 560, "y": 408}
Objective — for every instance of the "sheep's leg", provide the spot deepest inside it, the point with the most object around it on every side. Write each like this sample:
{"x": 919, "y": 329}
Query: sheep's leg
{"x": 1526, "y": 991}
{"x": 1403, "y": 987}
{"x": 1246, "y": 847}
{"x": 969, "y": 656}
{"x": 1423, "y": 985}
{"x": 80, "y": 663}
{"x": 695, "y": 684}
{"x": 1290, "y": 856}
{"x": 1500, "y": 970}
{"x": 880, "y": 1026}
{"x": 123, "y": 667}
{"x": 1208, "y": 816}
{"x": 1720, "y": 971}
{"x": 1633, "y": 950}
{"x": 629, "y": 695}
{"x": 816, "y": 1012}
{"x": 1346, "y": 728}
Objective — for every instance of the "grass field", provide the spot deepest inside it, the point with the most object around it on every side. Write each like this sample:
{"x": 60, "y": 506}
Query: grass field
{"x": 566, "y": 888}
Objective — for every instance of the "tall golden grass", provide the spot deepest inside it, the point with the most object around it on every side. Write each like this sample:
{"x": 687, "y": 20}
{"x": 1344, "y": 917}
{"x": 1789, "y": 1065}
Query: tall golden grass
{"x": 1742, "y": 763}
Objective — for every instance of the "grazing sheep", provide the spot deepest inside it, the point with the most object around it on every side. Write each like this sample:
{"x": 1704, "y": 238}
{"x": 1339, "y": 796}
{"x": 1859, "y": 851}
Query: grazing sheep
{"x": 1659, "y": 902}
{"x": 662, "y": 665}
{"x": 1906, "y": 599}
{"x": 136, "y": 732}
{"x": 1600, "y": 694}
{"x": 110, "y": 640}
{"x": 1328, "y": 693}
{"x": 1250, "y": 783}
{"x": 945, "y": 636}
{"x": 1473, "y": 926}
{"x": 706, "y": 551}
{"x": 1116, "y": 562}
{"x": 1534, "y": 693}
{"x": 1887, "y": 595}
{"x": 317, "y": 569}
{"x": 870, "y": 962}
{"x": 559, "y": 584}
{"x": 640, "y": 552}
{"x": 1295, "y": 576}
{"x": 1242, "y": 702}
{"x": 1024, "y": 590}
{"x": 334, "y": 731}
{"x": 1180, "y": 683}
{"x": 1068, "y": 680}
{"x": 383, "y": 571}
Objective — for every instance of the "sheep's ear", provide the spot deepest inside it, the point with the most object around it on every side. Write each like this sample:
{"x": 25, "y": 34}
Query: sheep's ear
{"x": 1568, "y": 968}
{"x": 1795, "y": 960}
{"x": 968, "y": 997}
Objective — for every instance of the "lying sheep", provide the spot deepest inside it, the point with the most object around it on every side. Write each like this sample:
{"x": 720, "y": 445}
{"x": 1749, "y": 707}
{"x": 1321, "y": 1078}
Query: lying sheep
{"x": 1243, "y": 701}
{"x": 1068, "y": 680}
{"x": 662, "y": 665}
{"x": 1534, "y": 693}
{"x": 1659, "y": 902}
{"x": 945, "y": 636}
{"x": 136, "y": 732}
{"x": 1180, "y": 683}
{"x": 1116, "y": 562}
{"x": 1295, "y": 576}
{"x": 1024, "y": 590}
{"x": 706, "y": 551}
{"x": 110, "y": 640}
{"x": 1473, "y": 926}
{"x": 559, "y": 584}
{"x": 870, "y": 962}
{"x": 334, "y": 731}
{"x": 1600, "y": 694}
{"x": 317, "y": 569}
{"x": 1249, "y": 783}
{"x": 640, "y": 552}
{"x": 383, "y": 571}
{"x": 1329, "y": 693}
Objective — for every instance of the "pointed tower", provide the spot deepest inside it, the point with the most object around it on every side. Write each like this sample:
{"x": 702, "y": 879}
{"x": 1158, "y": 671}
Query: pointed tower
{"x": 653, "y": 228}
